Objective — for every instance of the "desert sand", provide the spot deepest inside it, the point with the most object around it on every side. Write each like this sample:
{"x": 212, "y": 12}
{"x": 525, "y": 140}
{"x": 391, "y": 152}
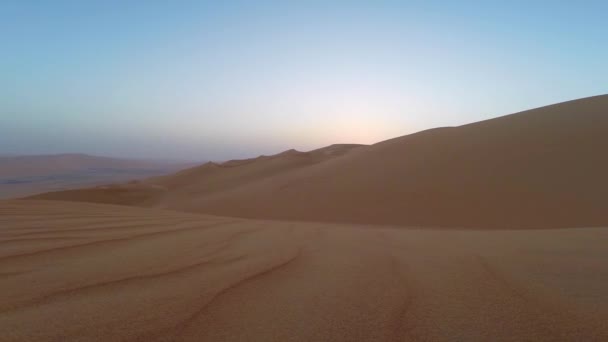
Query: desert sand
{"x": 434, "y": 236}
{"x": 512, "y": 172}
{"x": 78, "y": 271}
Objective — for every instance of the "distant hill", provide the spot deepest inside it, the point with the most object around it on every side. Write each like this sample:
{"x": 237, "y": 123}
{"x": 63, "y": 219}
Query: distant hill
{"x": 29, "y": 174}
{"x": 541, "y": 168}
{"x": 183, "y": 189}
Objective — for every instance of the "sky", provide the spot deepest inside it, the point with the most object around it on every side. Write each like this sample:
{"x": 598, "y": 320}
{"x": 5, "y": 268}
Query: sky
{"x": 214, "y": 80}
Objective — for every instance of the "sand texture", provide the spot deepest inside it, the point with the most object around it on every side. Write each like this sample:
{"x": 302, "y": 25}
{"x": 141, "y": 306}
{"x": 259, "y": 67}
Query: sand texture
{"x": 84, "y": 272}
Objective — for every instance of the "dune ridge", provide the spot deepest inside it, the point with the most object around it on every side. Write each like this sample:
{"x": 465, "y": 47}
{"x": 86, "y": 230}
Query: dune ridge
{"x": 204, "y": 180}
{"x": 515, "y": 171}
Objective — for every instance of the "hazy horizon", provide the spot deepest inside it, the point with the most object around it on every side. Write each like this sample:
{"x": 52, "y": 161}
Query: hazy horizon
{"x": 209, "y": 81}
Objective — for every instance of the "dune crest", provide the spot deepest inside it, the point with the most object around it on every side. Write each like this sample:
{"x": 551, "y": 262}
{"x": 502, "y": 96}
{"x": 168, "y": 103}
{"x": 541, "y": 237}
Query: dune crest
{"x": 516, "y": 171}
{"x": 202, "y": 181}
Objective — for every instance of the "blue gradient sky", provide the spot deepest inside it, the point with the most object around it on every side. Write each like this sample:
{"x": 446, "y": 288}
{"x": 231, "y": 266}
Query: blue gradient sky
{"x": 225, "y": 79}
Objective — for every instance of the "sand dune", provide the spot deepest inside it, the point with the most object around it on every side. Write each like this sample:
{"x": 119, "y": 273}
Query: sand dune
{"x": 516, "y": 171}
{"x": 81, "y": 271}
{"x": 213, "y": 177}
{"x": 85, "y": 271}
{"x": 202, "y": 181}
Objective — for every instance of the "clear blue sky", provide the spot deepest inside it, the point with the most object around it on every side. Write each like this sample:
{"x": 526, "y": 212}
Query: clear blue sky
{"x": 224, "y": 79}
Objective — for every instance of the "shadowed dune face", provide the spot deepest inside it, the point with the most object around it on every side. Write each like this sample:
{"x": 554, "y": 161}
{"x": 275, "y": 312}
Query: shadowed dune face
{"x": 202, "y": 181}
{"x": 213, "y": 177}
{"x": 78, "y": 271}
{"x": 517, "y": 171}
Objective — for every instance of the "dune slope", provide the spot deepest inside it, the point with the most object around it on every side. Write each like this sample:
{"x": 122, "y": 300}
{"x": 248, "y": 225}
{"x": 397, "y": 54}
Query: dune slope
{"x": 81, "y": 271}
{"x": 542, "y": 168}
{"x": 202, "y": 181}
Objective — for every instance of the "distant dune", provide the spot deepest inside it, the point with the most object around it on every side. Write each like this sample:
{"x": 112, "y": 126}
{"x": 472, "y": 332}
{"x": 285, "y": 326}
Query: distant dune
{"x": 517, "y": 171}
{"x": 30, "y": 174}
{"x": 202, "y": 181}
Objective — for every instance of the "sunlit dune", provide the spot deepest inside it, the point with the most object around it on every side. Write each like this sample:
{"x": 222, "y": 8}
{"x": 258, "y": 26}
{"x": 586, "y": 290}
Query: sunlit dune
{"x": 516, "y": 171}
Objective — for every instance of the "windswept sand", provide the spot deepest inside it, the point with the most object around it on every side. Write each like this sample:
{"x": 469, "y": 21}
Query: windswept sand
{"x": 80, "y": 271}
{"x": 542, "y": 168}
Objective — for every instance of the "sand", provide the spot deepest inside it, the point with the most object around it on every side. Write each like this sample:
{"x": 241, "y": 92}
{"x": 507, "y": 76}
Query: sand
{"x": 513, "y": 172}
{"x": 493, "y": 231}
{"x": 78, "y": 271}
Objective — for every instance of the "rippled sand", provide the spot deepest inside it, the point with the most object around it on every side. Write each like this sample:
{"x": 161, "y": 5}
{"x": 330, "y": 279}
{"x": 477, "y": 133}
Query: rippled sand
{"x": 78, "y": 272}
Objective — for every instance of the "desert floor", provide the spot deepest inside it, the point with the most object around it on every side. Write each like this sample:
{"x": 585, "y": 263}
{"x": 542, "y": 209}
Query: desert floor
{"x": 78, "y": 271}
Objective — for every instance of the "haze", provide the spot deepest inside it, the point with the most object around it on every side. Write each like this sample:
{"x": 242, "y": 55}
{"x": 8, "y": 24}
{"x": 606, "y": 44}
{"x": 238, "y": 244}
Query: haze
{"x": 221, "y": 80}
